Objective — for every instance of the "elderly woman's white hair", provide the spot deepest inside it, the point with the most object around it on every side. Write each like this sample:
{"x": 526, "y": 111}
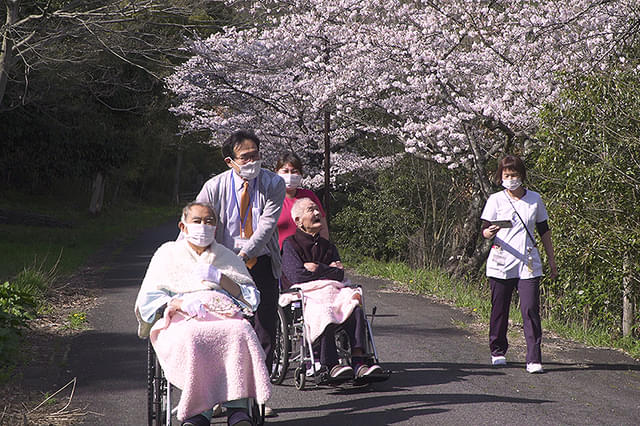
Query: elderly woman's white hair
{"x": 297, "y": 209}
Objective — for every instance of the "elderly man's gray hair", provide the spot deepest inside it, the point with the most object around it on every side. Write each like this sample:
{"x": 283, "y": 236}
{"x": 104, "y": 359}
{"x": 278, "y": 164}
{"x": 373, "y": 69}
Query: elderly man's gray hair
{"x": 187, "y": 208}
{"x": 297, "y": 209}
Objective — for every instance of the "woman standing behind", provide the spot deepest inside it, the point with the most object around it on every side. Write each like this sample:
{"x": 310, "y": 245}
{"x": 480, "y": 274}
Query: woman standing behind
{"x": 289, "y": 167}
{"x": 509, "y": 218}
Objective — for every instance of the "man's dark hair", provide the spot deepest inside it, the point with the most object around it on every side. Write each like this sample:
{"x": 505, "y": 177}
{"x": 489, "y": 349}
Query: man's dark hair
{"x": 236, "y": 139}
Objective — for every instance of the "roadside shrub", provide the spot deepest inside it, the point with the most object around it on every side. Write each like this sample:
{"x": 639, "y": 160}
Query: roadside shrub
{"x": 378, "y": 220}
{"x": 411, "y": 212}
{"x": 17, "y": 307}
{"x": 588, "y": 171}
{"x": 20, "y": 300}
{"x": 34, "y": 281}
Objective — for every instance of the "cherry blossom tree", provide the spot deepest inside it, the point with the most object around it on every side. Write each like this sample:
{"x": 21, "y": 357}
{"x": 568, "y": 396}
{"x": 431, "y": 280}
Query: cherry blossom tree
{"x": 282, "y": 79}
{"x": 458, "y": 81}
{"x": 464, "y": 81}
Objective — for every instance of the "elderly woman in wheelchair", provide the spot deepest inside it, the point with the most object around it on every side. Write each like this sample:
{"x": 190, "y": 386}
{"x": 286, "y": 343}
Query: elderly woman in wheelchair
{"x": 203, "y": 342}
{"x": 312, "y": 264}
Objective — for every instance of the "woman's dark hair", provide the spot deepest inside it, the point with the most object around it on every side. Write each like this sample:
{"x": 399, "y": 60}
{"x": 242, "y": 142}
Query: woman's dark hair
{"x": 236, "y": 139}
{"x": 289, "y": 158}
{"x": 510, "y": 162}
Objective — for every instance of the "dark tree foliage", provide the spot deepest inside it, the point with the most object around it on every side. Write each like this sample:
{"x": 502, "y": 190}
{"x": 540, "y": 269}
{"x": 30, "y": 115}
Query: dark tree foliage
{"x": 589, "y": 169}
{"x": 84, "y": 93}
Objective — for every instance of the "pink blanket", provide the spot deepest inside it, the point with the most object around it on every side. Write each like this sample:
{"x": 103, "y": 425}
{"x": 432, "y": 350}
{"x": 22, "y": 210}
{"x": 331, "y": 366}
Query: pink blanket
{"x": 212, "y": 360}
{"x": 325, "y": 302}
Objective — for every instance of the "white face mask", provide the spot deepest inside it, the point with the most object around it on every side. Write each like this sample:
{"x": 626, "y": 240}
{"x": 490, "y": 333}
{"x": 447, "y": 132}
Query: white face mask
{"x": 200, "y": 234}
{"x": 292, "y": 180}
{"x": 512, "y": 184}
{"x": 250, "y": 170}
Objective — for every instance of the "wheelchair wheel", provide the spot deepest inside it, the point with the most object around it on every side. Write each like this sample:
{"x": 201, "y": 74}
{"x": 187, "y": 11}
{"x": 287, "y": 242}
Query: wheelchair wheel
{"x": 151, "y": 373}
{"x": 300, "y": 377}
{"x": 156, "y": 391}
{"x": 280, "y": 362}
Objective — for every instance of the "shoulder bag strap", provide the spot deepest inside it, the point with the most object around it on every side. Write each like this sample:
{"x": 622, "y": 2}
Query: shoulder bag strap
{"x": 522, "y": 221}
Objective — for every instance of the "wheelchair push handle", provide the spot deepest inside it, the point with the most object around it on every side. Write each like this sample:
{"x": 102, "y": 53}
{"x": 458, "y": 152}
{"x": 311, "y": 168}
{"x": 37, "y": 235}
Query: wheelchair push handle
{"x": 373, "y": 315}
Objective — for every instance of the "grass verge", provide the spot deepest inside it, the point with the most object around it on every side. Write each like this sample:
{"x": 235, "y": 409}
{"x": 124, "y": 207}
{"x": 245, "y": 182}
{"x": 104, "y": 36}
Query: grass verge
{"x": 474, "y": 296}
{"x": 43, "y": 297}
{"x": 40, "y": 248}
{"x": 593, "y": 336}
{"x": 32, "y": 258}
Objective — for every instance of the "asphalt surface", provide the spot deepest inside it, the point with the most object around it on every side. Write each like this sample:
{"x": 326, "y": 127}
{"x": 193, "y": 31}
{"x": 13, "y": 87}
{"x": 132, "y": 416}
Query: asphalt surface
{"x": 440, "y": 367}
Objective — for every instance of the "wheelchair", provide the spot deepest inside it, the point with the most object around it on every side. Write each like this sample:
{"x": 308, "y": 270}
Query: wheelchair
{"x": 292, "y": 347}
{"x": 160, "y": 393}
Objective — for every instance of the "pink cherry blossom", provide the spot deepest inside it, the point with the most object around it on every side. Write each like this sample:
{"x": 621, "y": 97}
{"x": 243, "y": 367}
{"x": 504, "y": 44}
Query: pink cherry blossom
{"x": 446, "y": 80}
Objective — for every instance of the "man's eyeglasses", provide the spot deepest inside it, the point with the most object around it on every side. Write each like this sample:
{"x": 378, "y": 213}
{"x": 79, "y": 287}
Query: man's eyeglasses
{"x": 245, "y": 158}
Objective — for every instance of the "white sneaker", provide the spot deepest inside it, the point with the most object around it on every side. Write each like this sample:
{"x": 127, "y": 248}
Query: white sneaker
{"x": 534, "y": 367}
{"x": 498, "y": 360}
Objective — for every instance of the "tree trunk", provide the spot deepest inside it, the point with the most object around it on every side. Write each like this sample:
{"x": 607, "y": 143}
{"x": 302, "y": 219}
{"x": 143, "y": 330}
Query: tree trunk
{"x": 327, "y": 161}
{"x": 472, "y": 250}
{"x": 627, "y": 298}
{"x": 7, "y": 55}
{"x": 97, "y": 197}
{"x": 176, "y": 179}
{"x": 327, "y": 145}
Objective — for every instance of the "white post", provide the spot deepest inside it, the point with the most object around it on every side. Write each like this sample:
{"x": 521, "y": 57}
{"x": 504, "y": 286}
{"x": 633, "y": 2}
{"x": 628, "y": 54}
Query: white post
{"x": 627, "y": 301}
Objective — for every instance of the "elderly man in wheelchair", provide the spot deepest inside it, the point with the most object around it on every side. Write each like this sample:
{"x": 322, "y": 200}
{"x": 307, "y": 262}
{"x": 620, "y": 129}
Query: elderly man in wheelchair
{"x": 203, "y": 342}
{"x": 312, "y": 263}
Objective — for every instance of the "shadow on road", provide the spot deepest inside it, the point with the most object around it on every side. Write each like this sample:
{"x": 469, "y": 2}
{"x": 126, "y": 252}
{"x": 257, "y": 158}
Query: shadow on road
{"x": 393, "y": 409}
{"x": 405, "y": 375}
{"x": 113, "y": 360}
{"x": 414, "y": 374}
{"x": 551, "y": 367}
{"x": 416, "y": 330}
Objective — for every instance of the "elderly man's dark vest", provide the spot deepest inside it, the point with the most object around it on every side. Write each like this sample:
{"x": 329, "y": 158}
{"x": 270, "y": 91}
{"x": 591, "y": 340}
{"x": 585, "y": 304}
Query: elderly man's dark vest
{"x": 312, "y": 248}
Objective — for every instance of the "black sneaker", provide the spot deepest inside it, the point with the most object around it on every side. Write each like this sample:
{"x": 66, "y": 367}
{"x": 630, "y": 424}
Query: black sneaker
{"x": 369, "y": 374}
{"x": 338, "y": 374}
{"x": 341, "y": 372}
{"x": 239, "y": 417}
{"x": 198, "y": 420}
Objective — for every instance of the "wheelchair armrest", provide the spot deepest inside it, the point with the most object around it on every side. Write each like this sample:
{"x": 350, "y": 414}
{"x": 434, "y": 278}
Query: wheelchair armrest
{"x": 291, "y": 290}
{"x": 159, "y": 313}
{"x": 353, "y": 285}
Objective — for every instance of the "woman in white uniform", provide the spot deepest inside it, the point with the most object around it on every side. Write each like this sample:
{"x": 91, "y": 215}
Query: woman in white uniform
{"x": 510, "y": 218}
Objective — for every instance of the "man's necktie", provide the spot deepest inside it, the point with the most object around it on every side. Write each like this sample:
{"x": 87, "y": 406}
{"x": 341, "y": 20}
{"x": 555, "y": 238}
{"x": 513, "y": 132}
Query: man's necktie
{"x": 247, "y": 229}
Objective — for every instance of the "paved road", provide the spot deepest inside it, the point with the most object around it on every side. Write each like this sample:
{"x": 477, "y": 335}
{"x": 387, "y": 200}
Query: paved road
{"x": 440, "y": 371}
